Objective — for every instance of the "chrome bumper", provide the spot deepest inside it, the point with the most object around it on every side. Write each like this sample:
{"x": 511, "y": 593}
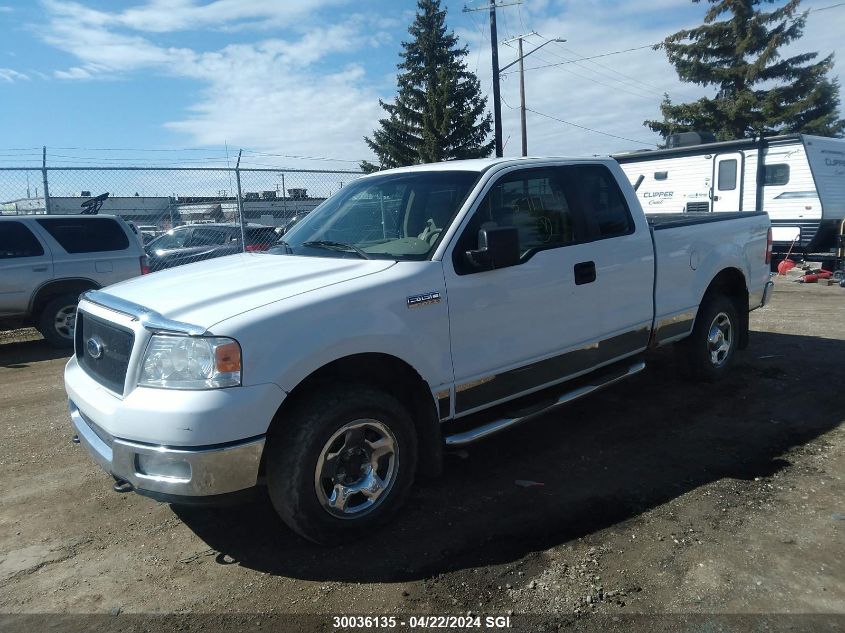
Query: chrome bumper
{"x": 206, "y": 471}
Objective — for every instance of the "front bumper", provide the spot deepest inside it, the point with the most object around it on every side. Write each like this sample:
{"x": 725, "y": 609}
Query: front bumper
{"x": 202, "y": 471}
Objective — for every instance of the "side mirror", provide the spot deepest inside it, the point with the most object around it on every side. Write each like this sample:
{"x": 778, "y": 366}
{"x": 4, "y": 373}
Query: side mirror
{"x": 497, "y": 248}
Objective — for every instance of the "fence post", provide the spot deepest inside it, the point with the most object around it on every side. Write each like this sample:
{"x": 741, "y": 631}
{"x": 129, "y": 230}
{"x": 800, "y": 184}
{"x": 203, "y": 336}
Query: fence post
{"x": 44, "y": 177}
{"x": 240, "y": 200}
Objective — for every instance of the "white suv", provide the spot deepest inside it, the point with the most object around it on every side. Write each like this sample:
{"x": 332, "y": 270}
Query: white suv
{"x": 46, "y": 261}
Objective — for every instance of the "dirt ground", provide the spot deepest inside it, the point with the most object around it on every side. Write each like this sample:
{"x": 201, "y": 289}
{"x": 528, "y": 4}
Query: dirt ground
{"x": 658, "y": 496}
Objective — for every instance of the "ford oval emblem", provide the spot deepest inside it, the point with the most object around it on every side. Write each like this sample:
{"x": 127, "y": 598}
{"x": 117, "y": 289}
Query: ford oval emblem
{"x": 94, "y": 348}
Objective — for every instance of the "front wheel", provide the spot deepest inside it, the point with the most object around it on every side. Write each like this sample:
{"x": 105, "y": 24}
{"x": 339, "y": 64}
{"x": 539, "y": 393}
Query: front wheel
{"x": 341, "y": 463}
{"x": 708, "y": 351}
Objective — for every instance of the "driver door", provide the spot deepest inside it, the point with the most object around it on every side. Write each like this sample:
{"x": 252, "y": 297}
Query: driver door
{"x": 515, "y": 330}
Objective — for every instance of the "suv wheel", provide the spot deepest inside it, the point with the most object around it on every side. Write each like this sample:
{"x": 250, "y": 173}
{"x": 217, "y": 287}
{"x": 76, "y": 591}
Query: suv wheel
{"x": 57, "y": 320}
{"x": 341, "y": 463}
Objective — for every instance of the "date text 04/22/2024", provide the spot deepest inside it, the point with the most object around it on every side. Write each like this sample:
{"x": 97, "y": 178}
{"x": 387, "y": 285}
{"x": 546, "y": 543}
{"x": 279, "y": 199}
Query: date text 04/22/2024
{"x": 422, "y": 622}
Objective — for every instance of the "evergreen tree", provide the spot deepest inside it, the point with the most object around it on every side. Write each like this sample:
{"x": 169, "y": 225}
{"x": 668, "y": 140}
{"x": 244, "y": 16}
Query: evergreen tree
{"x": 439, "y": 112}
{"x": 758, "y": 92}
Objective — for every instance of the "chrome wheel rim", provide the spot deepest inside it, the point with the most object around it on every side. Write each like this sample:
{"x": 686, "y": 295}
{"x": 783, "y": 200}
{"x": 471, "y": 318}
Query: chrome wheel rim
{"x": 720, "y": 339}
{"x": 65, "y": 321}
{"x": 357, "y": 468}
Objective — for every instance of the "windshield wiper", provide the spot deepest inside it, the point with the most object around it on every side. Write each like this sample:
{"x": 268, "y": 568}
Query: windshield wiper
{"x": 337, "y": 246}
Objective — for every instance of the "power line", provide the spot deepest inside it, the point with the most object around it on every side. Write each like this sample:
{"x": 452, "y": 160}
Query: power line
{"x": 625, "y": 50}
{"x": 642, "y": 94}
{"x": 589, "y": 129}
{"x": 644, "y": 46}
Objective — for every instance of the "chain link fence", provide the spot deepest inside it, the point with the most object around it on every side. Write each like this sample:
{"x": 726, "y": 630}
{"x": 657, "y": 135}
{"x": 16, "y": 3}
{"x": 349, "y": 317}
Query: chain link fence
{"x": 189, "y": 213}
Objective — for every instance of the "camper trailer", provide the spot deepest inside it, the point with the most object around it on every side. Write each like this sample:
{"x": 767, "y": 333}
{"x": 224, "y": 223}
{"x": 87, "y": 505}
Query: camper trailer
{"x": 799, "y": 180}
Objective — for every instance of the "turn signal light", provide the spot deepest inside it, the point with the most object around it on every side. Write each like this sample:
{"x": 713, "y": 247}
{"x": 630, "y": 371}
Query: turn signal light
{"x": 227, "y": 358}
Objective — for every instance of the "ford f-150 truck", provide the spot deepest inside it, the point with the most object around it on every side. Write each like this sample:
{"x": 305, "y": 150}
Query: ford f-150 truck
{"x": 416, "y": 309}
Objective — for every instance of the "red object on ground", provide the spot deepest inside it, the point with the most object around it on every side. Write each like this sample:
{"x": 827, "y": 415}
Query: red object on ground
{"x": 785, "y": 266}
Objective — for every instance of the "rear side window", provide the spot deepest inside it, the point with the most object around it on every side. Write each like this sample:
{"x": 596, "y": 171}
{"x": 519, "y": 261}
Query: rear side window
{"x": 601, "y": 200}
{"x": 18, "y": 241}
{"x": 86, "y": 234}
{"x": 776, "y": 174}
{"x": 727, "y": 175}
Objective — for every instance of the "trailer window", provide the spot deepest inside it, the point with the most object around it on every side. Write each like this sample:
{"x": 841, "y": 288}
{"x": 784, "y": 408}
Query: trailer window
{"x": 727, "y": 175}
{"x": 777, "y": 174}
{"x": 661, "y": 175}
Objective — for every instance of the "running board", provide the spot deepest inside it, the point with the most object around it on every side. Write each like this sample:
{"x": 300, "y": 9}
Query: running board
{"x": 490, "y": 428}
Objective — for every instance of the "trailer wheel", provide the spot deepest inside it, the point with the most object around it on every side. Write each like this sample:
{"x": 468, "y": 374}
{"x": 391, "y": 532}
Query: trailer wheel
{"x": 708, "y": 352}
{"x": 341, "y": 463}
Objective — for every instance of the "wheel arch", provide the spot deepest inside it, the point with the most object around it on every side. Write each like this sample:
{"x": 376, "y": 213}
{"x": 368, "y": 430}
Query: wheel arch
{"x": 731, "y": 283}
{"x": 56, "y": 287}
{"x": 391, "y": 374}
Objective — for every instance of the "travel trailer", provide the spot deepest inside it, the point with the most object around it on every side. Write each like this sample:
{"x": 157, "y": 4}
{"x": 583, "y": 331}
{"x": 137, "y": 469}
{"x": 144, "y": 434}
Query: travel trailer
{"x": 799, "y": 180}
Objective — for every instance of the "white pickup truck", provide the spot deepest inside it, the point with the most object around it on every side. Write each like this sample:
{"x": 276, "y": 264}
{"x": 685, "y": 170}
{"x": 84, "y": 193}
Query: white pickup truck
{"x": 417, "y": 308}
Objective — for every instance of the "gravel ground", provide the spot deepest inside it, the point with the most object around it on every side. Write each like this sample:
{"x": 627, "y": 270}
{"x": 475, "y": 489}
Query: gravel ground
{"x": 659, "y": 496}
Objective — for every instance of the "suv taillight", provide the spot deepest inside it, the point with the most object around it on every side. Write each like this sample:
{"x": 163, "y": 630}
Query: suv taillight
{"x": 769, "y": 246}
{"x": 145, "y": 265}
{"x": 252, "y": 248}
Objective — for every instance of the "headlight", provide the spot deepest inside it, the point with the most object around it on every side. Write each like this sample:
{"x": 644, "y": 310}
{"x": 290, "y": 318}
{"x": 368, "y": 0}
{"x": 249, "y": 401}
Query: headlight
{"x": 191, "y": 362}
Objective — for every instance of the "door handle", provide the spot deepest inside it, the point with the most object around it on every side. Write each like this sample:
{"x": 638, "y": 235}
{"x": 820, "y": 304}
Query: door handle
{"x": 39, "y": 269}
{"x": 585, "y": 273}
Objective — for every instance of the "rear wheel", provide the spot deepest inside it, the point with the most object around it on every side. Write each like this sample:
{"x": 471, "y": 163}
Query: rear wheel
{"x": 341, "y": 463}
{"x": 709, "y": 350}
{"x": 57, "y": 320}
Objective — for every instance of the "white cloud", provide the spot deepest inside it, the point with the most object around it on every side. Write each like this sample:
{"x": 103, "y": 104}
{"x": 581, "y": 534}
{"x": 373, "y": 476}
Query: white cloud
{"x": 265, "y": 95}
{"x": 274, "y": 93}
{"x": 10, "y": 76}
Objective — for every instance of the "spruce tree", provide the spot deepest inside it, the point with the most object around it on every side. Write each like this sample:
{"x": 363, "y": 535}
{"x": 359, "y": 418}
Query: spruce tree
{"x": 759, "y": 93}
{"x": 439, "y": 112}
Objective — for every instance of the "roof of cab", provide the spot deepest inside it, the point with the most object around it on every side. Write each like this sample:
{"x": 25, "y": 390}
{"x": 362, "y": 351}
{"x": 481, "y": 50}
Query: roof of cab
{"x": 483, "y": 164}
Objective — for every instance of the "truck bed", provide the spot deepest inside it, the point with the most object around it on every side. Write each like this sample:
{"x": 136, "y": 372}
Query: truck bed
{"x": 659, "y": 221}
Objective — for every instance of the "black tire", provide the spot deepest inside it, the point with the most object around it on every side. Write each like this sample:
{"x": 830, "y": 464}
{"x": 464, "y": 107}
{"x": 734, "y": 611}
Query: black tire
{"x": 301, "y": 440}
{"x": 699, "y": 351}
{"x": 56, "y": 320}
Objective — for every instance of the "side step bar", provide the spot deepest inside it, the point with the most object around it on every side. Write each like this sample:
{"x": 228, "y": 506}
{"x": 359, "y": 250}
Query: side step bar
{"x": 490, "y": 428}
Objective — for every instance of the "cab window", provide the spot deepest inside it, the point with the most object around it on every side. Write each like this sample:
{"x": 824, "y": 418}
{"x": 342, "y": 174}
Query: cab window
{"x": 537, "y": 202}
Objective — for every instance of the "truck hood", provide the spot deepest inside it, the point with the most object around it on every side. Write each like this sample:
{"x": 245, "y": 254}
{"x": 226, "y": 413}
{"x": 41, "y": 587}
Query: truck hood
{"x": 208, "y": 292}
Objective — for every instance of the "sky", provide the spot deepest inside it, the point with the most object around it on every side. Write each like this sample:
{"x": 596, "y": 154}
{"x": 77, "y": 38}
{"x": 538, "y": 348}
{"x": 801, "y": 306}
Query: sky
{"x": 297, "y": 83}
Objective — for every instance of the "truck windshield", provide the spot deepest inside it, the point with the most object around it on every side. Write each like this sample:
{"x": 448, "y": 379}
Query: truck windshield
{"x": 391, "y": 216}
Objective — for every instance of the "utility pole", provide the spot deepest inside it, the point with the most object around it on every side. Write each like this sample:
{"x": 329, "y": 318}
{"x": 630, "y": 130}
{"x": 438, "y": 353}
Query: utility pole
{"x": 522, "y": 126}
{"x": 494, "y": 48}
{"x": 519, "y": 61}
{"x": 497, "y": 103}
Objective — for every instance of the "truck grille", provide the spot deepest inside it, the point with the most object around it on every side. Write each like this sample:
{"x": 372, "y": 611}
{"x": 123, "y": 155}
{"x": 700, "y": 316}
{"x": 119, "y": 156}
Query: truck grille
{"x": 102, "y": 350}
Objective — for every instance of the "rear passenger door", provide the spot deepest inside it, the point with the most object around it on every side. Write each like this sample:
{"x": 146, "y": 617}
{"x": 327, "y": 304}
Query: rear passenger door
{"x": 25, "y": 265}
{"x": 94, "y": 248}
